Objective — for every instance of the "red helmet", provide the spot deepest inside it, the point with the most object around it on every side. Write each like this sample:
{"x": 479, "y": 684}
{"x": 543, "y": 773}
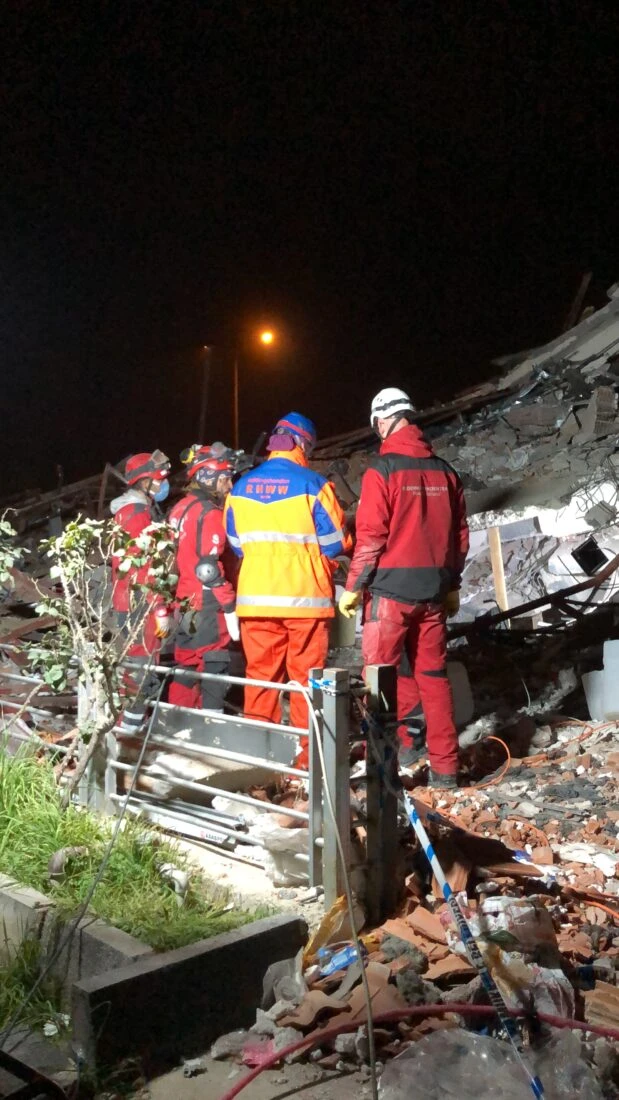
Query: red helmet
{"x": 216, "y": 460}
{"x": 153, "y": 464}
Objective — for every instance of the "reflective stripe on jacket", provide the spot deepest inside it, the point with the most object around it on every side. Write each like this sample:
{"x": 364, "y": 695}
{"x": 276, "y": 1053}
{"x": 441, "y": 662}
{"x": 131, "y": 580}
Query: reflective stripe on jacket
{"x": 285, "y": 523}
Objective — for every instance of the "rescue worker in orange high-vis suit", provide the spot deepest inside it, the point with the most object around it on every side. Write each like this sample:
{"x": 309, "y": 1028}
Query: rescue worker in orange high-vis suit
{"x": 285, "y": 523}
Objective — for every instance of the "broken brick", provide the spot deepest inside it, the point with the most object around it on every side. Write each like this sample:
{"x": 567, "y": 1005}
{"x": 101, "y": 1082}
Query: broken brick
{"x": 452, "y": 966}
{"x": 601, "y": 1005}
{"x": 543, "y": 855}
{"x": 427, "y": 924}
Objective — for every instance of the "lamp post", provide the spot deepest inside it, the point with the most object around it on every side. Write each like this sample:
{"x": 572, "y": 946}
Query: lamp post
{"x": 235, "y": 402}
{"x": 266, "y": 338}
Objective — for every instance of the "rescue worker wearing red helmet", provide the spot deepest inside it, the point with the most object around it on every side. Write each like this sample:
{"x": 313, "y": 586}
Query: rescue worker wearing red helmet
{"x": 209, "y": 625}
{"x": 285, "y": 523}
{"x": 135, "y": 510}
{"x": 412, "y": 542}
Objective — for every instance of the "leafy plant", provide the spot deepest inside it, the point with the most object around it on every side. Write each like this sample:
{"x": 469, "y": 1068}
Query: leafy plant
{"x": 10, "y": 553}
{"x": 86, "y": 638}
{"x": 87, "y": 643}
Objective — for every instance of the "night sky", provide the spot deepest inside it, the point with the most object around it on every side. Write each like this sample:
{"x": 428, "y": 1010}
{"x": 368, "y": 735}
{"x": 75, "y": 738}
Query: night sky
{"x": 401, "y": 190}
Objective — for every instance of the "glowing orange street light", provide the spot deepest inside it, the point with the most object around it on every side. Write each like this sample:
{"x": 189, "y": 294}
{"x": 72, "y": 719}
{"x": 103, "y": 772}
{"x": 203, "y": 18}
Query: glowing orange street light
{"x": 266, "y": 337}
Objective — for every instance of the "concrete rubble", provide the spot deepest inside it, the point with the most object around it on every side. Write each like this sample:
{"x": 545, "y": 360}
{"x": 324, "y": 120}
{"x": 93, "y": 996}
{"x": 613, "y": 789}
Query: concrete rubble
{"x": 538, "y": 453}
{"x": 530, "y": 842}
{"x": 533, "y": 853}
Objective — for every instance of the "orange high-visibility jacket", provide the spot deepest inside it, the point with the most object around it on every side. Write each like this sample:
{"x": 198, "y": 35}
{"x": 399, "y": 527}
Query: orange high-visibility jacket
{"x": 285, "y": 523}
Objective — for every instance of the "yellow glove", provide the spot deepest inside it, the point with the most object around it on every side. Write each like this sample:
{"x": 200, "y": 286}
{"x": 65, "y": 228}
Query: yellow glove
{"x": 349, "y": 602}
{"x": 451, "y": 603}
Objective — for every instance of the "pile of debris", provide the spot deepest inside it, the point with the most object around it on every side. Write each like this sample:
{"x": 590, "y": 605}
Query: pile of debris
{"x": 532, "y": 855}
{"x": 538, "y": 453}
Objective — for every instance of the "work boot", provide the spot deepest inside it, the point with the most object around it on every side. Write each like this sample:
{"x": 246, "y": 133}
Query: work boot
{"x": 413, "y": 748}
{"x": 442, "y": 782}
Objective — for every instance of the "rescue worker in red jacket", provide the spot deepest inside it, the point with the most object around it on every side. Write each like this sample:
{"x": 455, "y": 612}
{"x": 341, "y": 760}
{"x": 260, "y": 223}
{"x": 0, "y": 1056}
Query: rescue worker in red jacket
{"x": 412, "y": 542}
{"x": 139, "y": 612}
{"x": 285, "y": 523}
{"x": 209, "y": 624}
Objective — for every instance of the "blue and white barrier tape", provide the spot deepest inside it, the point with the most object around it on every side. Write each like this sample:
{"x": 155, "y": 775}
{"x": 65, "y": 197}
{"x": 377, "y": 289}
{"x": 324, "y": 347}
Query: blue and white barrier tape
{"x": 470, "y": 944}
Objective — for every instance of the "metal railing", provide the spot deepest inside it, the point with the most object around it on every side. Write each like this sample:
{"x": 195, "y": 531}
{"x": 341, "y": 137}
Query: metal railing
{"x": 233, "y": 740}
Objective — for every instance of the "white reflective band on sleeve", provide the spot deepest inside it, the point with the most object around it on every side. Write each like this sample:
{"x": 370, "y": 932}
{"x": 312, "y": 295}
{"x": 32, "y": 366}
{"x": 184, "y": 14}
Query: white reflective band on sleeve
{"x": 283, "y": 601}
{"x": 330, "y": 540}
{"x": 234, "y": 541}
{"x": 276, "y": 536}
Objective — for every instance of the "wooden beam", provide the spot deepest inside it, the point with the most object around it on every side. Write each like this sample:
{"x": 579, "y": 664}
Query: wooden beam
{"x": 551, "y": 599}
{"x": 498, "y": 569}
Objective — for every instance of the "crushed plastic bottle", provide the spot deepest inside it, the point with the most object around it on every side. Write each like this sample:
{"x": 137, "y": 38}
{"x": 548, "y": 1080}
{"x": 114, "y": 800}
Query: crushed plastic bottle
{"x": 335, "y": 958}
{"x": 463, "y": 1064}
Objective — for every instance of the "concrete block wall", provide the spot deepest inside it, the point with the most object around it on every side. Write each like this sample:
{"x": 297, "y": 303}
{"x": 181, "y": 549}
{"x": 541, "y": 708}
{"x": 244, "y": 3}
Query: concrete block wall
{"x": 175, "y": 1004}
{"x": 94, "y": 947}
{"x": 23, "y": 912}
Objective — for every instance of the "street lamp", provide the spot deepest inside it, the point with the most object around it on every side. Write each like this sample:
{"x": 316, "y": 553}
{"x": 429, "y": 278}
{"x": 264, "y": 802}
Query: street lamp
{"x": 267, "y": 338}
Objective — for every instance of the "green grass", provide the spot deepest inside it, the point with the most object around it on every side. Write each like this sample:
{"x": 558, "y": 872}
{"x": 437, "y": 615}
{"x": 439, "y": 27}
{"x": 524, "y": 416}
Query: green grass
{"x": 17, "y": 978}
{"x": 132, "y": 894}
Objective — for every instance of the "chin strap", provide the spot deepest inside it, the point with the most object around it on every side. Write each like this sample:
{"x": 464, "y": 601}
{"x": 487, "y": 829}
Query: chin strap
{"x": 394, "y": 425}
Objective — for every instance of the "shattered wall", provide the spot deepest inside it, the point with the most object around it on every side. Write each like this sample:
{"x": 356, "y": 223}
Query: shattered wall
{"x": 538, "y": 447}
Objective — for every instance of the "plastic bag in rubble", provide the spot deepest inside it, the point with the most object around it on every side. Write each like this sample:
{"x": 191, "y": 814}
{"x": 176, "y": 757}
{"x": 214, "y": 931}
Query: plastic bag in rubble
{"x": 284, "y": 981}
{"x": 462, "y": 1064}
{"x": 516, "y": 924}
{"x": 506, "y": 929}
{"x": 528, "y": 985}
{"x": 282, "y": 848}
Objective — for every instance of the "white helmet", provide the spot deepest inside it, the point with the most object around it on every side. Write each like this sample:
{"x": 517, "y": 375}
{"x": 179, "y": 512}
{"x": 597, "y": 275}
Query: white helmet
{"x": 389, "y": 402}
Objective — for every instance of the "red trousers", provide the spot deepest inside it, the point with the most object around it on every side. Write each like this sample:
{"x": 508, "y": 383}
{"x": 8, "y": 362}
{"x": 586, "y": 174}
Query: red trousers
{"x": 280, "y": 650}
{"x": 202, "y": 642}
{"x": 188, "y": 692}
{"x": 413, "y": 637}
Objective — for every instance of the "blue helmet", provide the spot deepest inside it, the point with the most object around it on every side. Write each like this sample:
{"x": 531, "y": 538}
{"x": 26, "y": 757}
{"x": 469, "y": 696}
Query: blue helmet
{"x": 302, "y": 430}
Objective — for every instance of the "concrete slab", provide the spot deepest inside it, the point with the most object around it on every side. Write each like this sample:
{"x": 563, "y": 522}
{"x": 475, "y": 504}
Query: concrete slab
{"x": 22, "y": 915}
{"x": 173, "y": 1005}
{"x": 250, "y": 886}
{"x": 104, "y": 947}
{"x": 52, "y": 1058}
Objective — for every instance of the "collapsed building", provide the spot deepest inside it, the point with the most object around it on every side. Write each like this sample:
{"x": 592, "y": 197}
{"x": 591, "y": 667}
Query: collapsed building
{"x": 530, "y": 842}
{"x": 538, "y": 453}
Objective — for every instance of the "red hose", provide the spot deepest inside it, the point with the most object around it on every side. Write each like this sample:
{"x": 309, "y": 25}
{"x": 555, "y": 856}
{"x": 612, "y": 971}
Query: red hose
{"x": 405, "y": 1014}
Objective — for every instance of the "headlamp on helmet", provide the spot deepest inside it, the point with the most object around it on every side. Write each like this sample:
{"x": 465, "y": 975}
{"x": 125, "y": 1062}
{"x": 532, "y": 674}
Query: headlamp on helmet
{"x": 206, "y": 464}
